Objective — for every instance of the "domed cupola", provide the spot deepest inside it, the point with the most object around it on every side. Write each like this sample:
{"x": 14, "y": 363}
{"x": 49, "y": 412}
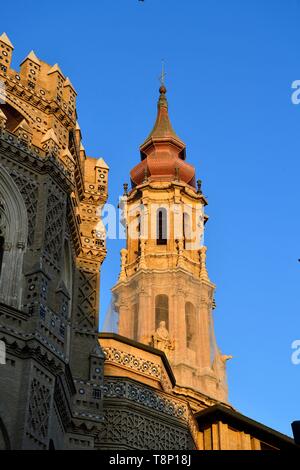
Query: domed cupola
{"x": 163, "y": 152}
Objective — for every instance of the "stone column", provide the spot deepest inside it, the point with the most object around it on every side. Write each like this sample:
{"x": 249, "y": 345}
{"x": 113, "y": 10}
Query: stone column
{"x": 178, "y": 330}
{"x": 203, "y": 356}
{"x": 125, "y": 319}
{"x": 144, "y": 315}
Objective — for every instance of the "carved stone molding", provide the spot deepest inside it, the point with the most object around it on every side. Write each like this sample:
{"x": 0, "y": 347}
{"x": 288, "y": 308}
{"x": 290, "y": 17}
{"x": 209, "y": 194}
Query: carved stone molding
{"x": 144, "y": 396}
{"x": 132, "y": 430}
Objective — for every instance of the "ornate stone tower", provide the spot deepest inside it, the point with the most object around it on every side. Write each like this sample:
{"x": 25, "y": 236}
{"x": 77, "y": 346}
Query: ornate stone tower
{"x": 51, "y": 250}
{"x": 164, "y": 296}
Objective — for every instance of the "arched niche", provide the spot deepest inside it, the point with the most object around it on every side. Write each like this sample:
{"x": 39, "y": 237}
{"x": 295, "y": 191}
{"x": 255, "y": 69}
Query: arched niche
{"x": 161, "y": 310}
{"x": 190, "y": 325}
{"x": 13, "y": 231}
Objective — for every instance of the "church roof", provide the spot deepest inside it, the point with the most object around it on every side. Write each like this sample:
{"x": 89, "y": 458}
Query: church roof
{"x": 241, "y": 422}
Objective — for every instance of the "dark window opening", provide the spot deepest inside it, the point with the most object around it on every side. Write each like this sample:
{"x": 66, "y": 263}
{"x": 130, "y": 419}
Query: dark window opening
{"x": 51, "y": 445}
{"x": 161, "y": 310}
{"x": 161, "y": 238}
{"x": 138, "y": 229}
{"x": 96, "y": 393}
{"x": 14, "y": 118}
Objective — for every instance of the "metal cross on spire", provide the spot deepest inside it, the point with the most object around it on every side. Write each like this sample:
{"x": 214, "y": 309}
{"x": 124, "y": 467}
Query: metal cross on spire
{"x": 163, "y": 73}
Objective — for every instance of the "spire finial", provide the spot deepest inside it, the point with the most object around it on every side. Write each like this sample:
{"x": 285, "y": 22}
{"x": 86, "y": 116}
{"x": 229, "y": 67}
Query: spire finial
{"x": 162, "y": 89}
{"x": 163, "y": 73}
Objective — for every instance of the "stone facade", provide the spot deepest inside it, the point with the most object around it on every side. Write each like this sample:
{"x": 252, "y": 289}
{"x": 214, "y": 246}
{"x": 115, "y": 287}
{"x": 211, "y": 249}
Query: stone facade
{"x": 52, "y": 248}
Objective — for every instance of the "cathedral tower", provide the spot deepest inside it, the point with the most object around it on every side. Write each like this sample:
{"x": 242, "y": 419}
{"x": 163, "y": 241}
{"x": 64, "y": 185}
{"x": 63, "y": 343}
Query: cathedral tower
{"x": 164, "y": 296}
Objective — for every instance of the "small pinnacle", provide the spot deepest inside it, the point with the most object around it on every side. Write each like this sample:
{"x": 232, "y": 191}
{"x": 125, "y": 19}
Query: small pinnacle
{"x": 68, "y": 83}
{"x": 31, "y": 56}
{"x": 102, "y": 164}
{"x": 50, "y": 135}
{"x": 66, "y": 152}
{"x": 4, "y": 38}
{"x": 23, "y": 125}
{"x": 54, "y": 69}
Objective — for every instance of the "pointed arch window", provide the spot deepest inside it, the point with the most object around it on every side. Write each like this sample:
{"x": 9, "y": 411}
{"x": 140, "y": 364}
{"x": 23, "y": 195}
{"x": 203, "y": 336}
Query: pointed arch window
{"x": 161, "y": 226}
{"x": 161, "y": 310}
{"x": 14, "y": 235}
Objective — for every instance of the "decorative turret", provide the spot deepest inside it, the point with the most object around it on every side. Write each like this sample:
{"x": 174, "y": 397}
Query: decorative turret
{"x": 56, "y": 82}
{"x": 6, "y": 50}
{"x": 69, "y": 94}
{"x": 23, "y": 132}
{"x": 30, "y": 69}
{"x": 50, "y": 142}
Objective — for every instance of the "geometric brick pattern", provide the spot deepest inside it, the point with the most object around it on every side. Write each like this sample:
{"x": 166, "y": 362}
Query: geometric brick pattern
{"x": 54, "y": 227}
{"x": 128, "y": 429}
{"x": 39, "y": 406}
{"x": 28, "y": 189}
{"x": 87, "y": 297}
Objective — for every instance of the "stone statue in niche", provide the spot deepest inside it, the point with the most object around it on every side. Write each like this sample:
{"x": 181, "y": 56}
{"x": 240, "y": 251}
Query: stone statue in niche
{"x": 161, "y": 339}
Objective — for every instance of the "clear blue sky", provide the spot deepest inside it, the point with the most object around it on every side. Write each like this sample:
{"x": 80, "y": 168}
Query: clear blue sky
{"x": 230, "y": 65}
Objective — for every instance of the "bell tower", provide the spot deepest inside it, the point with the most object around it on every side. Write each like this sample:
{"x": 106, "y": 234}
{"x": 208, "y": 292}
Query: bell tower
{"x": 164, "y": 297}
